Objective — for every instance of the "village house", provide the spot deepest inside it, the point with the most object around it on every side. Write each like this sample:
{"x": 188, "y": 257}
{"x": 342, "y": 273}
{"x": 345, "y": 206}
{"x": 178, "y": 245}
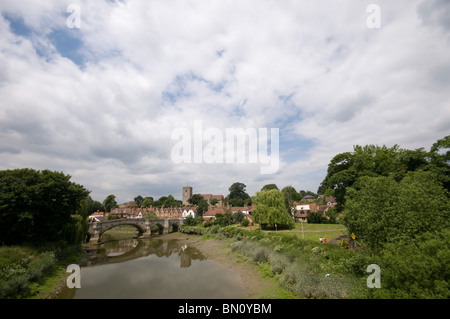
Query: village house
{"x": 308, "y": 198}
{"x": 301, "y": 211}
{"x": 160, "y": 212}
{"x": 213, "y": 210}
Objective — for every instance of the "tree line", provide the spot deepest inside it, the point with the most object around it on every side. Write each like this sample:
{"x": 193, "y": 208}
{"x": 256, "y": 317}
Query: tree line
{"x": 396, "y": 205}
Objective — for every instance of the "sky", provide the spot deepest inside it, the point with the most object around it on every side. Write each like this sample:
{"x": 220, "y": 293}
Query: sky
{"x": 96, "y": 89}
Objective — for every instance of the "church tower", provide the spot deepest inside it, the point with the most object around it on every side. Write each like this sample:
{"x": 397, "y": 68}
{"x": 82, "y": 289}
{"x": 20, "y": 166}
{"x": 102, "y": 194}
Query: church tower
{"x": 187, "y": 193}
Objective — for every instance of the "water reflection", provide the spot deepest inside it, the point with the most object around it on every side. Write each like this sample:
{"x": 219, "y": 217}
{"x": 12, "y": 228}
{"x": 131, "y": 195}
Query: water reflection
{"x": 153, "y": 269}
{"x": 122, "y": 250}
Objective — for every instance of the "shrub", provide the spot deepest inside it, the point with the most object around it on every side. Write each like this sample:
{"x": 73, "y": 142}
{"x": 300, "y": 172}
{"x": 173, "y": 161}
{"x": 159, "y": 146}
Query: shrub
{"x": 278, "y": 263}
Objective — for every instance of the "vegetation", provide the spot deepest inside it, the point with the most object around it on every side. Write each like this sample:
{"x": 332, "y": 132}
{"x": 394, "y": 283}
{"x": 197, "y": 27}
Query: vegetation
{"x": 270, "y": 209}
{"x": 396, "y": 203}
{"x": 345, "y": 169}
{"x": 238, "y": 195}
{"x": 39, "y": 206}
{"x": 110, "y": 203}
{"x": 299, "y": 266}
{"x": 25, "y": 270}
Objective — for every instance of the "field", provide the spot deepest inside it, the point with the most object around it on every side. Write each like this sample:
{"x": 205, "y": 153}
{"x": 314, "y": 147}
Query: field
{"x": 311, "y": 231}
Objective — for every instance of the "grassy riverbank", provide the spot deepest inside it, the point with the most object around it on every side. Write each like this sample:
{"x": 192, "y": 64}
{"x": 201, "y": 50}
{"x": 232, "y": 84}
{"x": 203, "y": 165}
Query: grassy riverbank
{"x": 300, "y": 268}
{"x": 37, "y": 272}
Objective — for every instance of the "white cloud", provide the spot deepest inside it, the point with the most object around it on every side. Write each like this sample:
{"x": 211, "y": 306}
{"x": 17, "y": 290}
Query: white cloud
{"x": 313, "y": 69}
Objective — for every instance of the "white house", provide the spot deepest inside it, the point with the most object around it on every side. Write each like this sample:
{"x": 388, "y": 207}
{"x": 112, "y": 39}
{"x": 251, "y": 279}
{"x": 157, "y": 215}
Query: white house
{"x": 188, "y": 211}
{"x": 302, "y": 207}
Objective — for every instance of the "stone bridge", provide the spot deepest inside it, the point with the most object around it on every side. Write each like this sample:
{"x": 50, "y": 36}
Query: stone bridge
{"x": 144, "y": 226}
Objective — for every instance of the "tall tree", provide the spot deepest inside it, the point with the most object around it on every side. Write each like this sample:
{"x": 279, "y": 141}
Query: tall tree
{"x": 270, "y": 209}
{"x": 290, "y": 196}
{"x": 238, "y": 195}
{"x": 138, "y": 199}
{"x": 195, "y": 199}
{"x": 346, "y": 168}
{"x": 147, "y": 201}
{"x": 202, "y": 207}
{"x": 381, "y": 210}
{"x": 39, "y": 205}
{"x": 268, "y": 187}
{"x": 110, "y": 202}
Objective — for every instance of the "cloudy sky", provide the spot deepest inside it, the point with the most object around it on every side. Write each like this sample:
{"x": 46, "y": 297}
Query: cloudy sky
{"x": 96, "y": 88}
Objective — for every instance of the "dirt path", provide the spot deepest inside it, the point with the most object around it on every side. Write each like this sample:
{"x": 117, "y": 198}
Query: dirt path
{"x": 256, "y": 287}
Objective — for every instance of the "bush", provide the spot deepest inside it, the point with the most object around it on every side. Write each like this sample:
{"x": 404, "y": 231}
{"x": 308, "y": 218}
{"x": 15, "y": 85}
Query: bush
{"x": 278, "y": 263}
{"x": 16, "y": 277}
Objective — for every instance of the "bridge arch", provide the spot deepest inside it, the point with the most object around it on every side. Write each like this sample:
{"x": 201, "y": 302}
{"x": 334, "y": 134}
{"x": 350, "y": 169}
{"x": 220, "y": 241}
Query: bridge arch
{"x": 139, "y": 228}
{"x": 144, "y": 226}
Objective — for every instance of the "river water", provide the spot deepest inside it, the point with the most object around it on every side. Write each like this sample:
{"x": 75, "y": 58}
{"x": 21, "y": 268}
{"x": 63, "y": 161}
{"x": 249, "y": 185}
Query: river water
{"x": 152, "y": 268}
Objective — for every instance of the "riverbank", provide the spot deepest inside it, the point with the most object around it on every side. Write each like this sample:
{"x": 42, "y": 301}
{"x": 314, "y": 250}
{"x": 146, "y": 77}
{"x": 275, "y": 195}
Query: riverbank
{"x": 35, "y": 271}
{"x": 217, "y": 250}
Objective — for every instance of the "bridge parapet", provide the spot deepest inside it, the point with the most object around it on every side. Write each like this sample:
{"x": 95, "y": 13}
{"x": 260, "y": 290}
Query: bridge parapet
{"x": 144, "y": 226}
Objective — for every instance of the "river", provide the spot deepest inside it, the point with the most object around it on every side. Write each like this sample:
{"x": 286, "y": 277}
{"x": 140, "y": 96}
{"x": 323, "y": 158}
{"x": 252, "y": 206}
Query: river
{"x": 152, "y": 268}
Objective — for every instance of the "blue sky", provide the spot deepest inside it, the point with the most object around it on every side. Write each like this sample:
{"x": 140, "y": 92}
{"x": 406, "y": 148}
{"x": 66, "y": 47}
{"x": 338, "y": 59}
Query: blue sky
{"x": 100, "y": 102}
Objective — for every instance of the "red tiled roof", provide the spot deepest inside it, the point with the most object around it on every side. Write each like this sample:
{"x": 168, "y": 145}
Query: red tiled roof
{"x": 212, "y": 211}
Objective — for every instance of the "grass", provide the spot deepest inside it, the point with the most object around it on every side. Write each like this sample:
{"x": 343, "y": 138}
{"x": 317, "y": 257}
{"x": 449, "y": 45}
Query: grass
{"x": 311, "y": 232}
{"x": 34, "y": 272}
{"x": 302, "y": 268}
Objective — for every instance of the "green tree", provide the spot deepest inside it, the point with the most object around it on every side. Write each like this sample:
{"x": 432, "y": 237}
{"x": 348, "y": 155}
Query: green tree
{"x": 40, "y": 206}
{"x": 147, "y": 201}
{"x": 202, "y": 207}
{"x": 138, "y": 199}
{"x": 316, "y": 218}
{"x": 416, "y": 269}
{"x": 346, "y": 168}
{"x": 238, "y": 217}
{"x": 110, "y": 203}
{"x": 152, "y": 215}
{"x": 380, "y": 210}
{"x": 290, "y": 196}
{"x": 270, "y": 209}
{"x": 238, "y": 195}
{"x": 268, "y": 187}
{"x": 93, "y": 206}
{"x": 195, "y": 199}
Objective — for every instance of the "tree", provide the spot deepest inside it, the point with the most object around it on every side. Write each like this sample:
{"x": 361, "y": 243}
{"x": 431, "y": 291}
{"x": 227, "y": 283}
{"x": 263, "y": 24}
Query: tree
{"x": 202, "y": 207}
{"x": 270, "y": 209}
{"x": 290, "y": 196}
{"x": 110, "y": 202}
{"x": 152, "y": 215}
{"x": 380, "y": 210}
{"x": 195, "y": 199}
{"x": 316, "y": 218}
{"x": 238, "y": 196}
{"x": 138, "y": 199}
{"x": 346, "y": 168}
{"x": 214, "y": 201}
{"x": 93, "y": 206}
{"x": 147, "y": 201}
{"x": 238, "y": 217}
{"x": 40, "y": 206}
{"x": 268, "y": 187}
